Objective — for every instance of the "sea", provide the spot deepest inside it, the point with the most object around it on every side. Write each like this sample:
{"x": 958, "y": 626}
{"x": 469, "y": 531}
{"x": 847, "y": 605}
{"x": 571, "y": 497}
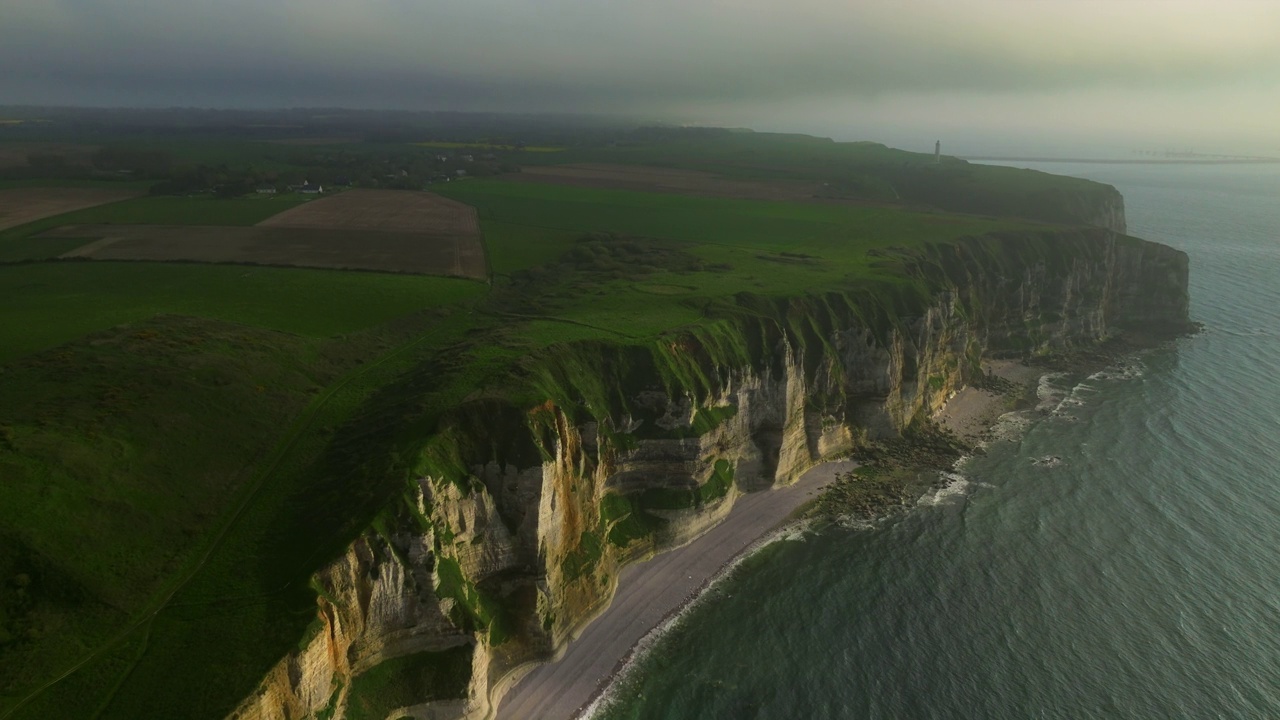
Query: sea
{"x": 1115, "y": 554}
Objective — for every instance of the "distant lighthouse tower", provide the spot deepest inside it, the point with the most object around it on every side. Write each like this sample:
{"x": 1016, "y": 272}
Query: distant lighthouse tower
{"x": 937, "y": 153}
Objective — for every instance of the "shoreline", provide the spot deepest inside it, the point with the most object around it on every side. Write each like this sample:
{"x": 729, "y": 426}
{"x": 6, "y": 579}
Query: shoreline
{"x": 973, "y": 411}
{"x": 650, "y": 595}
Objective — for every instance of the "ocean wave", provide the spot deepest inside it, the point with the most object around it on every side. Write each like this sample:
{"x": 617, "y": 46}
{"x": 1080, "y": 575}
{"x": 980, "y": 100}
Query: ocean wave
{"x": 1009, "y": 427}
{"x": 710, "y": 590}
{"x": 1127, "y": 369}
{"x": 853, "y": 522}
{"x": 1047, "y": 461}
{"x": 1048, "y": 392}
{"x": 957, "y": 486}
{"x": 1251, "y": 332}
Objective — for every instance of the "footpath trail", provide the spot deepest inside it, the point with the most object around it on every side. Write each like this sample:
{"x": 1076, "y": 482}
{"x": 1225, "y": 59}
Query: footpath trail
{"x": 648, "y": 593}
{"x": 250, "y": 493}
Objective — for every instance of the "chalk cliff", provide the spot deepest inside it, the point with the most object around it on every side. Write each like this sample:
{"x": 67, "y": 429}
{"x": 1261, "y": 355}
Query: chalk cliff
{"x": 494, "y": 555}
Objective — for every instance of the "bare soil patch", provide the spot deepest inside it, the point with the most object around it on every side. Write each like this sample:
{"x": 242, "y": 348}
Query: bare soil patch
{"x": 24, "y": 205}
{"x": 388, "y": 210}
{"x": 668, "y": 180}
{"x": 332, "y": 248}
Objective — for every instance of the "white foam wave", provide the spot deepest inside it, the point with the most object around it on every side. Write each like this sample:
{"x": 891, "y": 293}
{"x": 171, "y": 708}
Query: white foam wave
{"x": 1127, "y": 369}
{"x": 794, "y": 532}
{"x": 852, "y": 522}
{"x": 1047, "y": 461}
{"x": 1009, "y": 427}
{"x": 957, "y": 486}
{"x": 1047, "y": 392}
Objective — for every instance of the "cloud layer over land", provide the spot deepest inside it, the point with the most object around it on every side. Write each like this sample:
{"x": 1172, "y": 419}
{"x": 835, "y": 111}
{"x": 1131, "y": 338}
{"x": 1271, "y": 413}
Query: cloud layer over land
{"x": 737, "y": 61}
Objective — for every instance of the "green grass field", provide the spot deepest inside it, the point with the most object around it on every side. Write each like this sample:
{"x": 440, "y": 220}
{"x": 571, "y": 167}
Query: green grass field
{"x": 114, "y": 455}
{"x": 732, "y": 246}
{"x": 864, "y": 170}
{"x": 20, "y": 243}
{"x": 197, "y": 210}
{"x": 126, "y": 457}
{"x": 142, "y": 400}
{"x": 488, "y": 146}
{"x": 52, "y": 303}
{"x": 139, "y": 185}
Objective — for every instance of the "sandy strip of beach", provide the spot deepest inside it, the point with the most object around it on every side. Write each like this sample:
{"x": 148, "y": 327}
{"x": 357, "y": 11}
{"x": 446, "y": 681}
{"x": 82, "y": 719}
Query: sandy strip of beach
{"x": 972, "y": 411}
{"x": 648, "y": 593}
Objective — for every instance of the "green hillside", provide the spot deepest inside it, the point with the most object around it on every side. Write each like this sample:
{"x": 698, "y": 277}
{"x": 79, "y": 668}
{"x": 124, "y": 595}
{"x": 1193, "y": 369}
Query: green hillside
{"x": 183, "y": 445}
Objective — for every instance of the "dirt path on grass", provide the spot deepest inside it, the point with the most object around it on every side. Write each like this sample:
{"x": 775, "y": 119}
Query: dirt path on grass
{"x": 201, "y": 555}
{"x": 650, "y": 592}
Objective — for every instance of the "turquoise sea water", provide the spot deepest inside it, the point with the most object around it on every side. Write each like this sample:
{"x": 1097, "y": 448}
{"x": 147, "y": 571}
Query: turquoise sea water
{"x": 1136, "y": 577}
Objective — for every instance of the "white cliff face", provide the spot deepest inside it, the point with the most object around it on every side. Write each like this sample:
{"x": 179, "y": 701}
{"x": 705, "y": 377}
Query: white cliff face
{"x": 1110, "y": 215}
{"x": 379, "y": 599}
{"x": 512, "y": 560}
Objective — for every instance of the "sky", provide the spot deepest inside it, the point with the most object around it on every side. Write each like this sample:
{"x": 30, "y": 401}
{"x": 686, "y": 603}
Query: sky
{"x": 1027, "y": 76}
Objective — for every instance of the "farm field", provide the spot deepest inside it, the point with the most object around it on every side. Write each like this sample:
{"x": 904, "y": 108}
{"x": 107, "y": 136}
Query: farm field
{"x": 387, "y": 210}
{"x": 15, "y": 154}
{"x": 48, "y": 304}
{"x": 310, "y": 141}
{"x": 385, "y": 231}
{"x": 22, "y": 242}
{"x": 133, "y": 210}
{"x": 624, "y": 265}
{"x": 339, "y": 249}
{"x": 443, "y": 145}
{"x": 25, "y": 205}
{"x": 667, "y": 180}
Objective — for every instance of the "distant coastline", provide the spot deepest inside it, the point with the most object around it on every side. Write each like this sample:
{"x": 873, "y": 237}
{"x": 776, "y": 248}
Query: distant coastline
{"x": 1119, "y": 161}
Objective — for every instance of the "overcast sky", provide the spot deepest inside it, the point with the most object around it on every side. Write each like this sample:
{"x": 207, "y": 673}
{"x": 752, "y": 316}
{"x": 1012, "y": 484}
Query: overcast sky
{"x": 1021, "y": 74}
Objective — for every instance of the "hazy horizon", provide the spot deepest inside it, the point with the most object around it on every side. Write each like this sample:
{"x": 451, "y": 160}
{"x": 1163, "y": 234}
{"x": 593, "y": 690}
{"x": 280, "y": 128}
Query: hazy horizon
{"x": 991, "y": 76}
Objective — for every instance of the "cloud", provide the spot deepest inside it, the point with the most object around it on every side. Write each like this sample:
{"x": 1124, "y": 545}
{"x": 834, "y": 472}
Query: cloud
{"x": 600, "y": 55}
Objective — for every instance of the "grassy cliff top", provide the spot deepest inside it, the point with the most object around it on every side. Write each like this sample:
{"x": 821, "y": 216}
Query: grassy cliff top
{"x": 183, "y": 444}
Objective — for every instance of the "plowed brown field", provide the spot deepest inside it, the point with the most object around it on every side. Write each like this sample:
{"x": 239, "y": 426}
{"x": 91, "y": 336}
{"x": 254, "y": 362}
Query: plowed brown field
{"x": 18, "y": 207}
{"x": 341, "y": 249}
{"x": 391, "y": 210}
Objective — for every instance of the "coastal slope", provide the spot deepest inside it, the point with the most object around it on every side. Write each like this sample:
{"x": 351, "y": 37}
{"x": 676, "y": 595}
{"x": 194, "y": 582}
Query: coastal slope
{"x": 517, "y": 528}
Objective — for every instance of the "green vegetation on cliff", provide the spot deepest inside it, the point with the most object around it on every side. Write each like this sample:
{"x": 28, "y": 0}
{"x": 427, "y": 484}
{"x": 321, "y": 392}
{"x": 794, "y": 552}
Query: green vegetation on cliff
{"x": 210, "y": 461}
{"x": 410, "y": 680}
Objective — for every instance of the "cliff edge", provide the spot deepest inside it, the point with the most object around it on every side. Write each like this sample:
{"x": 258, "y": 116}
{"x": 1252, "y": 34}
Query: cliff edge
{"x": 512, "y": 531}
